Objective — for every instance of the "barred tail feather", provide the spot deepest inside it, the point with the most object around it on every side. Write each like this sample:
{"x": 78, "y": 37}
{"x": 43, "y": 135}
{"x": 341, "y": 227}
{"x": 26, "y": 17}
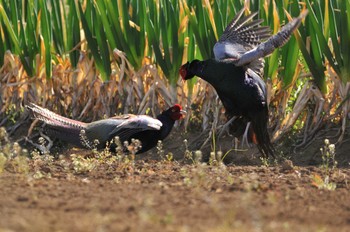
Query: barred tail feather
{"x": 58, "y": 126}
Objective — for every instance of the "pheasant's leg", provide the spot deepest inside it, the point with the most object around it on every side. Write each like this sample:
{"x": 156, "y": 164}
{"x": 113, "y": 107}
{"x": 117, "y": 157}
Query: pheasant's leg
{"x": 245, "y": 136}
{"x": 226, "y": 127}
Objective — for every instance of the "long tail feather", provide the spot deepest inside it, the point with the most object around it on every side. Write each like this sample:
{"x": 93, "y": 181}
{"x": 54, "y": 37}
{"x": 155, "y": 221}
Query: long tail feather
{"x": 259, "y": 124}
{"x": 58, "y": 126}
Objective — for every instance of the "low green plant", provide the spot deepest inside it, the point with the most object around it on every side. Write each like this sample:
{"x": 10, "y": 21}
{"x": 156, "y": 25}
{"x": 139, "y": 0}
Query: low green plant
{"x": 328, "y": 165}
{"x": 195, "y": 176}
{"x": 83, "y": 165}
{"x": 134, "y": 146}
{"x": 198, "y": 156}
{"x": 42, "y": 164}
{"x": 328, "y": 157}
{"x": 205, "y": 176}
{"x": 169, "y": 157}
{"x": 212, "y": 159}
{"x": 86, "y": 142}
{"x": 19, "y": 164}
{"x": 160, "y": 150}
{"x": 323, "y": 183}
{"x": 119, "y": 153}
{"x": 12, "y": 156}
{"x": 3, "y": 135}
{"x": 115, "y": 155}
{"x": 3, "y": 161}
{"x": 265, "y": 161}
{"x": 188, "y": 155}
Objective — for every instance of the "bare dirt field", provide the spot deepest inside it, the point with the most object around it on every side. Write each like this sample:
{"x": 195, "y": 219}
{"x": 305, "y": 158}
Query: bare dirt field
{"x": 81, "y": 193}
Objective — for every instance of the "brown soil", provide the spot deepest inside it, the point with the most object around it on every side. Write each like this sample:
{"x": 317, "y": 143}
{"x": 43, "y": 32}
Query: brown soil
{"x": 159, "y": 195}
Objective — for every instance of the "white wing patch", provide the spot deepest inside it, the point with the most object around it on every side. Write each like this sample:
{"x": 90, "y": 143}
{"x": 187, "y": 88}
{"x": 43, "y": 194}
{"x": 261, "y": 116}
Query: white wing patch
{"x": 142, "y": 122}
{"x": 224, "y": 50}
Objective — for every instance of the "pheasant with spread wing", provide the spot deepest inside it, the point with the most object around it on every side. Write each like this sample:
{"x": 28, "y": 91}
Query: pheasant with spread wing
{"x": 236, "y": 73}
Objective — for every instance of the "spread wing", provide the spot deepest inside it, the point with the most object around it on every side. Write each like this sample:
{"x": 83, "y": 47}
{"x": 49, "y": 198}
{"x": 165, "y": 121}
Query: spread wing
{"x": 243, "y": 40}
{"x": 275, "y": 41}
{"x": 241, "y": 35}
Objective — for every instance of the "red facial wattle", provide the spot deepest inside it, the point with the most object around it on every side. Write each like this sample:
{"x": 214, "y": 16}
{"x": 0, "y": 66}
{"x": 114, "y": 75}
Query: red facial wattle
{"x": 177, "y": 112}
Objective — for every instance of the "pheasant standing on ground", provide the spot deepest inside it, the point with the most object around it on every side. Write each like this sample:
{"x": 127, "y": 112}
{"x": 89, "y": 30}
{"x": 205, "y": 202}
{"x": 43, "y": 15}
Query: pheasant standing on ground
{"x": 142, "y": 127}
{"x": 236, "y": 74}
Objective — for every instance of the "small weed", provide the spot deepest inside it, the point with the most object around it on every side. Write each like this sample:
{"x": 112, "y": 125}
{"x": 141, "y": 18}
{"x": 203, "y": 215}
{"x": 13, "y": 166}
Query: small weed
{"x": 13, "y": 113}
{"x": 160, "y": 151}
{"x": 40, "y": 175}
{"x": 264, "y": 161}
{"x": 233, "y": 149}
{"x": 198, "y": 156}
{"x": 188, "y": 155}
{"x": 205, "y": 176}
{"x": 16, "y": 149}
{"x": 323, "y": 183}
{"x": 230, "y": 179}
{"x": 64, "y": 163}
{"x": 195, "y": 176}
{"x": 5, "y": 145}
{"x": 12, "y": 156}
{"x": 219, "y": 156}
{"x": 83, "y": 165}
{"x": 3, "y": 161}
{"x": 328, "y": 157}
{"x": 169, "y": 157}
{"x": 19, "y": 164}
{"x": 45, "y": 149}
{"x": 42, "y": 164}
{"x": 84, "y": 140}
{"x": 328, "y": 165}
{"x": 251, "y": 182}
{"x": 212, "y": 159}
{"x": 3, "y": 136}
{"x": 133, "y": 148}
{"x": 96, "y": 143}
{"x": 115, "y": 152}
{"x": 119, "y": 152}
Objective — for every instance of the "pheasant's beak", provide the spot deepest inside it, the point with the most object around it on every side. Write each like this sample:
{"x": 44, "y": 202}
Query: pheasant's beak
{"x": 183, "y": 113}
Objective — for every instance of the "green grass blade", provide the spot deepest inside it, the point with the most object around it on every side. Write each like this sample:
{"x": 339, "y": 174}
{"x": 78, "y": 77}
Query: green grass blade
{"x": 46, "y": 35}
{"x": 319, "y": 42}
{"x": 102, "y": 12}
{"x": 93, "y": 45}
{"x": 57, "y": 26}
{"x": 14, "y": 15}
{"x": 73, "y": 32}
{"x": 317, "y": 72}
{"x": 289, "y": 62}
{"x": 10, "y": 30}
